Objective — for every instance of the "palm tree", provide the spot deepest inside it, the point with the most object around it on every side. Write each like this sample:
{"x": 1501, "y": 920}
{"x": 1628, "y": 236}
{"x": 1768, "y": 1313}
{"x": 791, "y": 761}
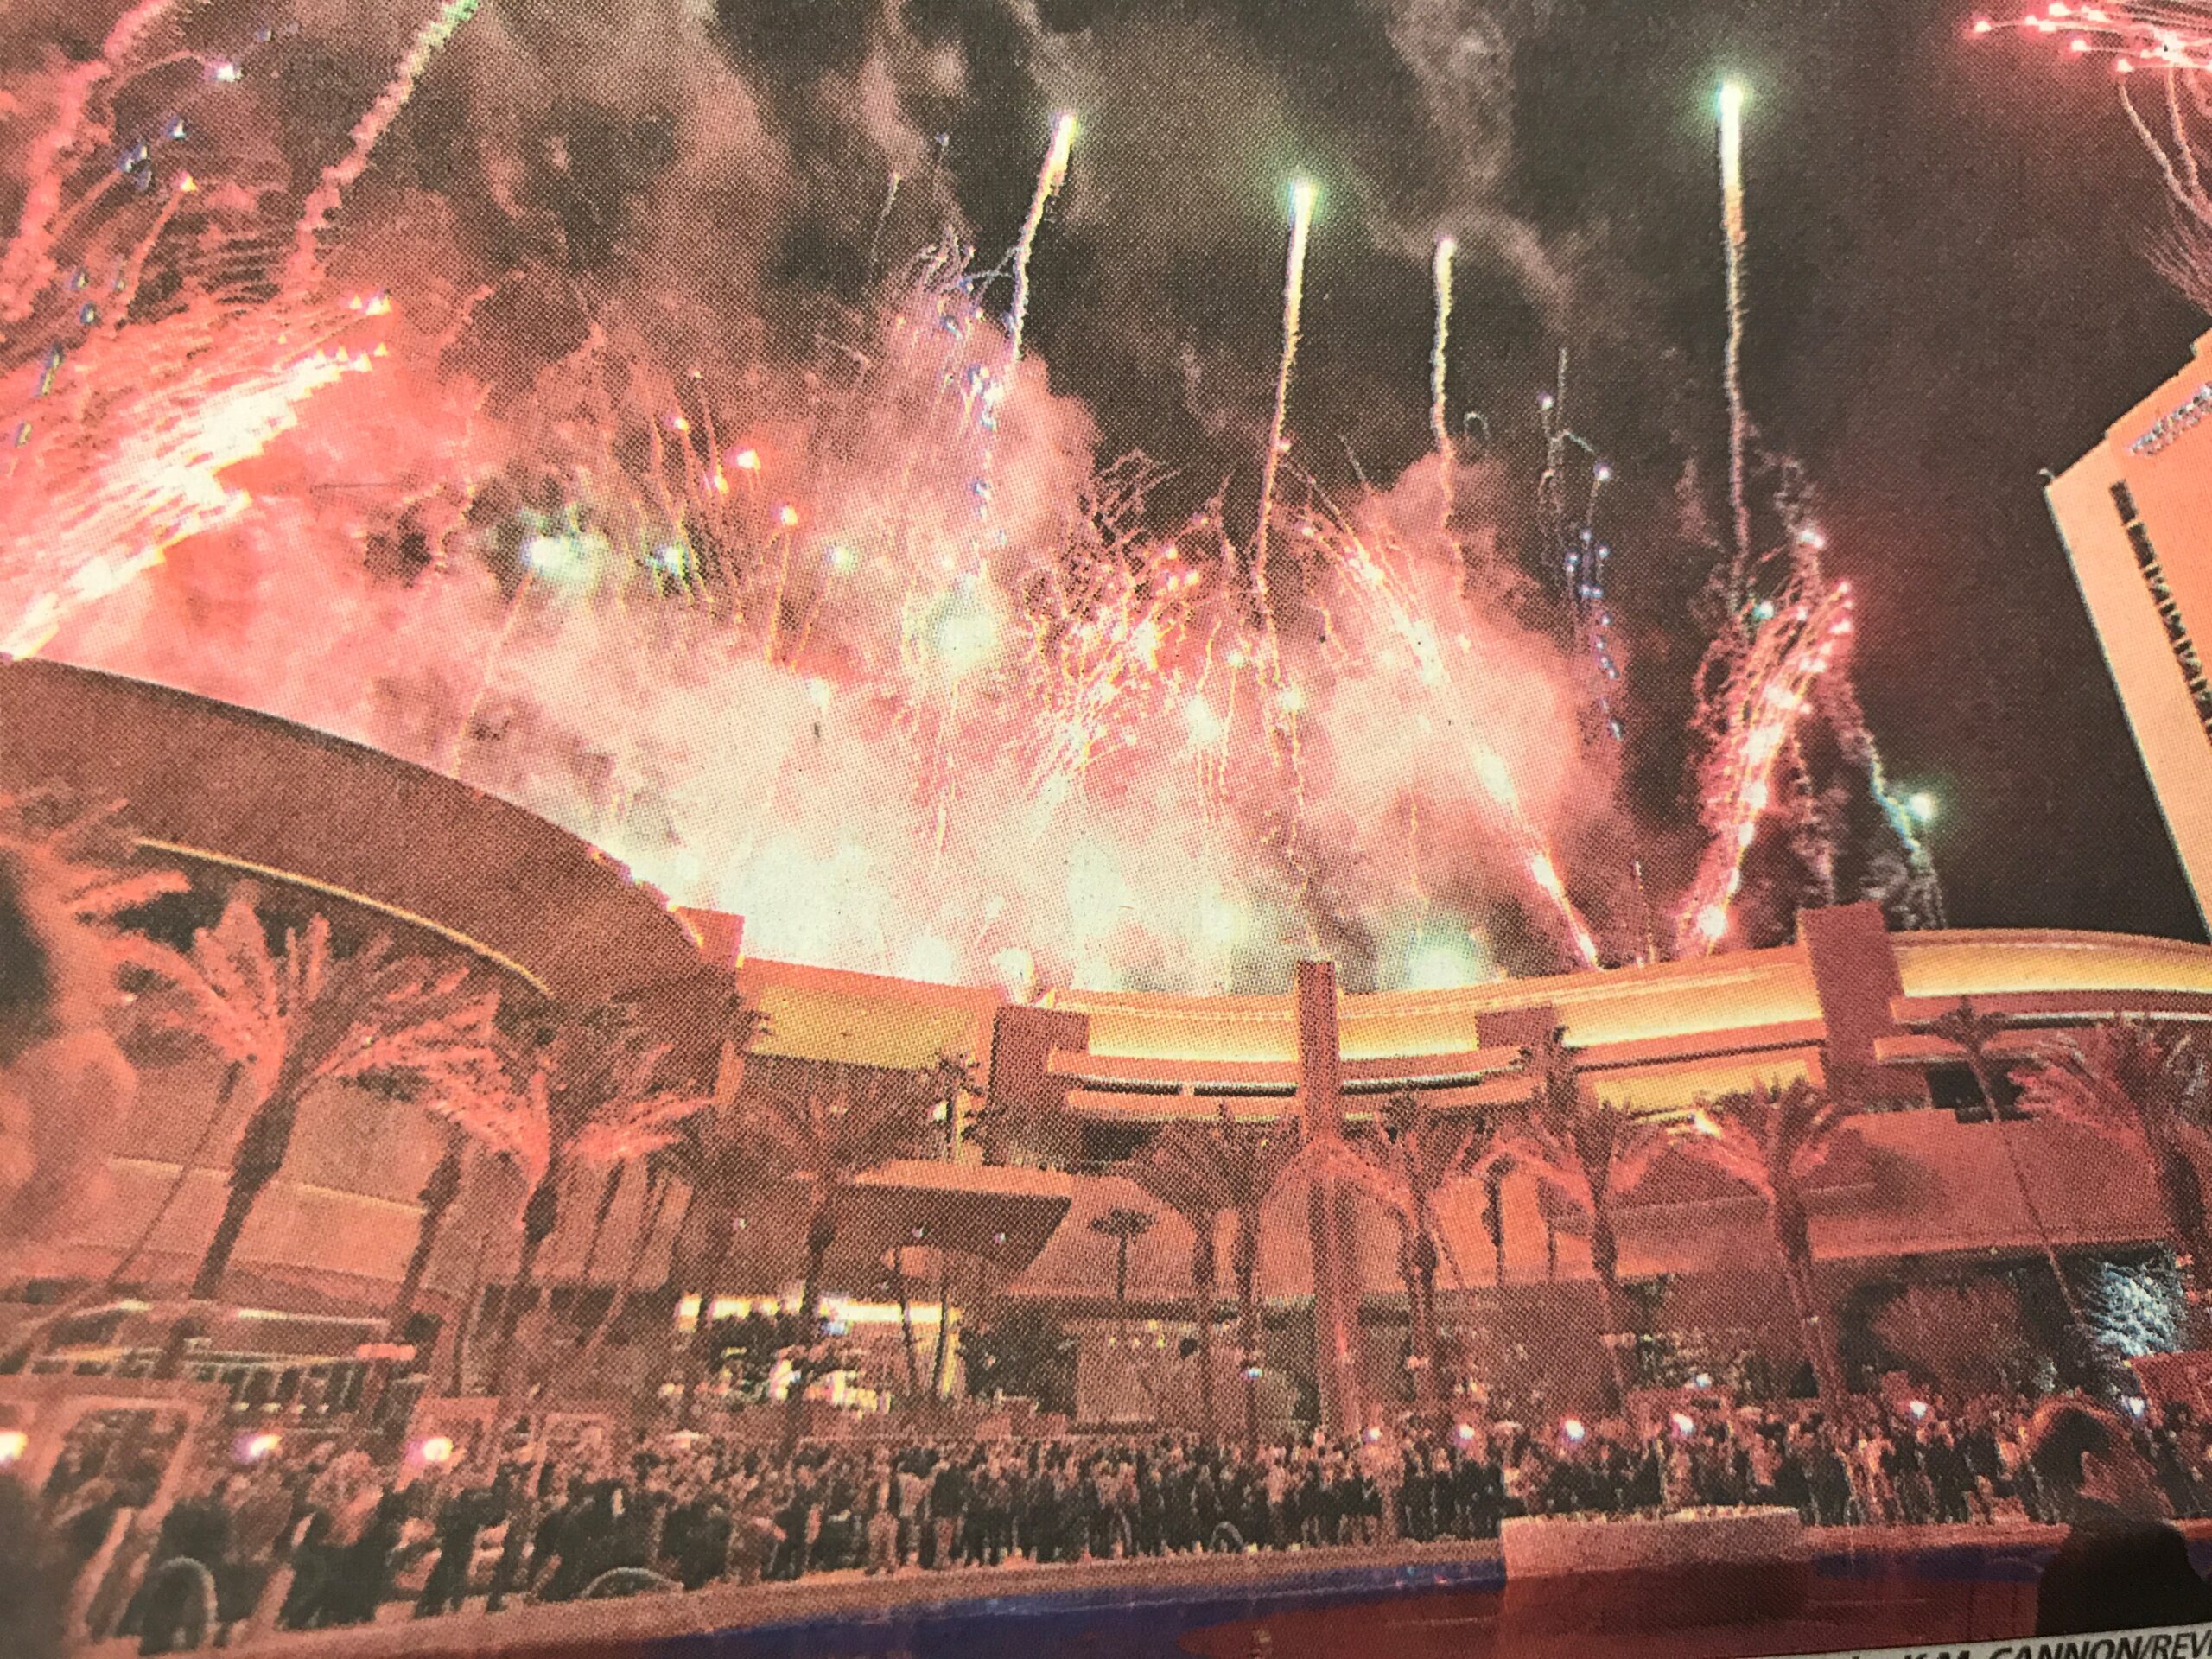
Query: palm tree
{"x": 2142, "y": 1086}
{"x": 1203, "y": 1172}
{"x": 1973, "y": 1032}
{"x": 65, "y": 879}
{"x": 1774, "y": 1141}
{"x": 1588, "y": 1153}
{"x": 1124, "y": 1224}
{"x": 1406, "y": 1163}
{"x": 902, "y": 1287}
{"x": 719, "y": 1165}
{"x": 598, "y": 1082}
{"x": 294, "y": 1018}
{"x": 825, "y": 1132}
{"x": 1176, "y": 1170}
{"x": 484, "y": 1113}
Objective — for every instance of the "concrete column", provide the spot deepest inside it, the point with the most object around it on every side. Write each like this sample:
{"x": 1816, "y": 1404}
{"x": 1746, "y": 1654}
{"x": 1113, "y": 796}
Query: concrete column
{"x": 1855, "y": 974}
{"x": 1336, "y": 1292}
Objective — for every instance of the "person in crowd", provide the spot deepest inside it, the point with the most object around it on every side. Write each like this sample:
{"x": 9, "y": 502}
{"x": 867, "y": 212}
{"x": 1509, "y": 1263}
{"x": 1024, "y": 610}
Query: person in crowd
{"x": 177, "y": 1600}
{"x": 464, "y": 1515}
{"x": 699, "y": 1509}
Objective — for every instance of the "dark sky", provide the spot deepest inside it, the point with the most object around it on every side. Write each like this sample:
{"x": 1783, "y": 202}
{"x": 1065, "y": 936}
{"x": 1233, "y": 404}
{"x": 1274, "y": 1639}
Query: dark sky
{"x": 1947, "y": 289}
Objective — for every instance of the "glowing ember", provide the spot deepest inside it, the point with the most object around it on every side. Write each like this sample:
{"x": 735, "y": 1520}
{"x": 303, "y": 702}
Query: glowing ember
{"x": 862, "y": 644}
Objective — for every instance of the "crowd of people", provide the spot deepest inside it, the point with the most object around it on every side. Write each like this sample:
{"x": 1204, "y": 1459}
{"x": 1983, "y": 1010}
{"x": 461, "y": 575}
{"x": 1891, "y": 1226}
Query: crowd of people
{"x": 319, "y": 1536}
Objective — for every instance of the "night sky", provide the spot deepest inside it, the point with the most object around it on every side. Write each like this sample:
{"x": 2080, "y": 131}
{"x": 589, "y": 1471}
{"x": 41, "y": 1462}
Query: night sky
{"x": 1948, "y": 290}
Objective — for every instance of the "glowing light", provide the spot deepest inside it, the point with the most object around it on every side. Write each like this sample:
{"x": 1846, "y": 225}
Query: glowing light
{"x": 930, "y": 960}
{"x": 436, "y": 1451}
{"x": 746, "y": 460}
{"x": 1445, "y": 965}
{"x": 1918, "y": 1409}
{"x": 13, "y": 1444}
{"x": 324, "y": 200}
{"x": 1922, "y": 805}
{"x": 1684, "y": 1425}
{"x": 1303, "y": 195}
{"x": 787, "y": 517}
{"x": 1050, "y": 177}
{"x": 255, "y": 1448}
{"x": 1575, "y": 1430}
{"x": 1016, "y": 971}
{"x": 1732, "y": 234}
{"x": 1206, "y": 727}
{"x": 1438, "y": 422}
{"x": 843, "y": 558}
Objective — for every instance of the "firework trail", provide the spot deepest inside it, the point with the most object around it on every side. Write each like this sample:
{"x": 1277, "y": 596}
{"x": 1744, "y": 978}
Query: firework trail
{"x": 27, "y": 266}
{"x": 1566, "y": 510}
{"x": 1393, "y": 611}
{"x": 324, "y": 201}
{"x": 1759, "y": 709}
{"x": 1439, "y": 424}
{"x": 938, "y": 625}
{"x": 176, "y": 404}
{"x": 2174, "y": 35}
{"x": 1732, "y": 230}
{"x": 1302, "y": 197}
{"x": 1050, "y": 178}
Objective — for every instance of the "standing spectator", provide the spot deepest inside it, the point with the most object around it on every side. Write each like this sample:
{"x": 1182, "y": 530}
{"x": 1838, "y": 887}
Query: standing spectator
{"x": 176, "y": 1599}
{"x": 948, "y": 1498}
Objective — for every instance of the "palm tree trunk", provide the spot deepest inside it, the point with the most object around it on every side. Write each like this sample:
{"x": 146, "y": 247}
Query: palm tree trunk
{"x": 1494, "y": 1217}
{"x": 904, "y": 1291}
{"x": 2184, "y": 1197}
{"x": 821, "y": 1233}
{"x": 1421, "y": 1291}
{"x": 1604, "y": 1258}
{"x": 608, "y": 1192}
{"x": 2004, "y": 1132}
{"x": 260, "y": 1155}
{"x": 465, "y": 1319}
{"x": 1812, "y": 1329}
{"x": 655, "y": 1208}
{"x": 1122, "y": 1288}
{"x": 539, "y": 1215}
{"x": 31, "y": 1338}
{"x": 1202, "y": 1272}
{"x": 941, "y": 1363}
{"x": 436, "y": 1197}
{"x": 231, "y": 1077}
{"x": 1247, "y": 1266}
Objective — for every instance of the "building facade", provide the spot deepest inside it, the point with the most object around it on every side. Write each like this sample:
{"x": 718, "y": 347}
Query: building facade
{"x": 1924, "y": 1201}
{"x": 2136, "y": 516}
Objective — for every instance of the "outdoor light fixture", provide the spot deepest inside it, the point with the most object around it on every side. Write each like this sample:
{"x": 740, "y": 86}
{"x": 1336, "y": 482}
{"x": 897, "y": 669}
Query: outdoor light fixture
{"x": 13, "y": 1444}
{"x": 435, "y": 1451}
